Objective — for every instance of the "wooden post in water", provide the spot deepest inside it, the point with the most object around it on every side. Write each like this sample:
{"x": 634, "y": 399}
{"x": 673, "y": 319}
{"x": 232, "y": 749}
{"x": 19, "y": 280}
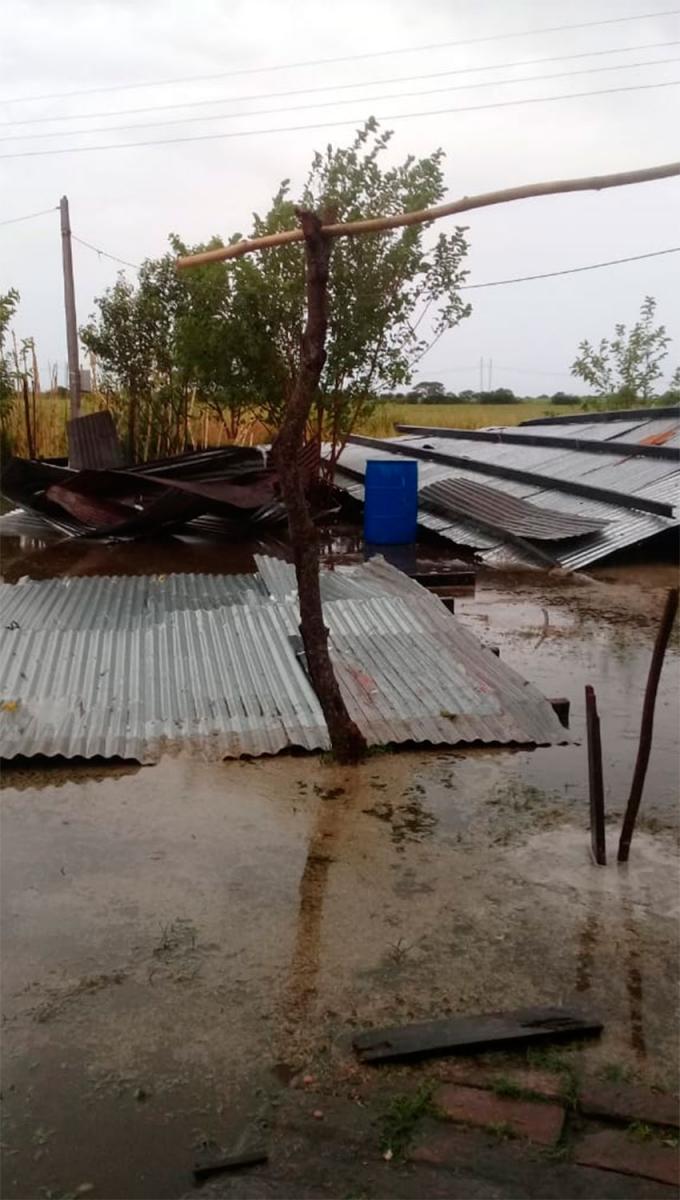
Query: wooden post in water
{"x": 595, "y": 782}
{"x": 647, "y": 724}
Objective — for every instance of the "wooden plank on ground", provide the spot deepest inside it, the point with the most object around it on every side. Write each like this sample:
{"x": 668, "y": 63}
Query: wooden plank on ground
{"x": 471, "y": 1035}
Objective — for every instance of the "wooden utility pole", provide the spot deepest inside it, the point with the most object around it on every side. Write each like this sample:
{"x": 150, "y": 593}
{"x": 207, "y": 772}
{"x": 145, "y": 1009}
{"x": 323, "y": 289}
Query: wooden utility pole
{"x": 70, "y": 309}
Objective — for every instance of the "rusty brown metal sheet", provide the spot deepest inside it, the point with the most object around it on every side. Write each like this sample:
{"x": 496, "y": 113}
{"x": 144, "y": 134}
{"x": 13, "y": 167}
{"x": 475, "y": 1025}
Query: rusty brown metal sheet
{"x": 504, "y": 512}
{"x": 234, "y": 484}
{"x": 93, "y": 443}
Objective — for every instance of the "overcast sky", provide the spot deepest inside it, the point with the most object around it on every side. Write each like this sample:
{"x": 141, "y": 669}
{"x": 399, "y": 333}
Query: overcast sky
{"x": 126, "y": 201}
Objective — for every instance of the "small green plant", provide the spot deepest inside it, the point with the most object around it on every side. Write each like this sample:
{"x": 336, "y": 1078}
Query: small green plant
{"x": 547, "y": 1058}
{"x": 506, "y": 1087}
{"x": 640, "y": 1131}
{"x": 401, "y": 1119}
{"x": 502, "y": 1130}
{"x": 617, "y": 1073}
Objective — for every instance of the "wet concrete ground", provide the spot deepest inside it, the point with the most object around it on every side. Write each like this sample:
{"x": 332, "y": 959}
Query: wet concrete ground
{"x": 181, "y": 940}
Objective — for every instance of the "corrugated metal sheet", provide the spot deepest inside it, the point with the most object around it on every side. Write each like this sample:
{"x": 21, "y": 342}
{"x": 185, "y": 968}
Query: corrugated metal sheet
{"x": 621, "y": 526}
{"x": 113, "y": 602}
{"x": 219, "y": 684}
{"x": 373, "y": 578}
{"x": 490, "y": 506}
{"x": 93, "y": 442}
{"x": 224, "y": 680}
{"x": 19, "y": 523}
{"x": 410, "y": 672}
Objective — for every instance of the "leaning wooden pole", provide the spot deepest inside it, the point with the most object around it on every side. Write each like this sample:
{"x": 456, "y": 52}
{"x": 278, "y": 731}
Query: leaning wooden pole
{"x": 647, "y": 724}
{"x": 595, "y": 780}
{"x": 346, "y": 740}
{"x": 553, "y": 187}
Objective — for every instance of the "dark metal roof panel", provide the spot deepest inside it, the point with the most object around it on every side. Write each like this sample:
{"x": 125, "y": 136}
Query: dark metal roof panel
{"x": 492, "y": 507}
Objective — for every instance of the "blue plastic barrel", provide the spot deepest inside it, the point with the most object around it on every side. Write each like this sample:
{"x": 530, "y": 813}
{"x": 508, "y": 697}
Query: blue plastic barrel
{"x": 391, "y": 501}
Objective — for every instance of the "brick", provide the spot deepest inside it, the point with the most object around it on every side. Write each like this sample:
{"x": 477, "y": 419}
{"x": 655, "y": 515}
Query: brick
{"x": 530, "y": 1119}
{"x": 483, "y": 1075}
{"x": 622, "y": 1102}
{"x": 614, "y": 1150}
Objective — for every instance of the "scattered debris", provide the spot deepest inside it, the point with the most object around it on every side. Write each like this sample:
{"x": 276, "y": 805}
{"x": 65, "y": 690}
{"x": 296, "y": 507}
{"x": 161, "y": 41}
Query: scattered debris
{"x": 94, "y": 496}
{"x": 468, "y": 1035}
{"x": 563, "y": 492}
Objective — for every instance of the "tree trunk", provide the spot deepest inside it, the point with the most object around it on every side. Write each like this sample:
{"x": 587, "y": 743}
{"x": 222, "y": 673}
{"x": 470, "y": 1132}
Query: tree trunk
{"x": 347, "y": 741}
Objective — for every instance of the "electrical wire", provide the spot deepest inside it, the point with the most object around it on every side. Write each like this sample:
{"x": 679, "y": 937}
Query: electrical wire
{"x": 266, "y": 112}
{"x": 29, "y": 216}
{"x": 614, "y": 262}
{"x": 322, "y": 62}
{"x": 331, "y": 87}
{"x": 210, "y": 137}
{"x": 466, "y": 287}
{"x": 104, "y": 253}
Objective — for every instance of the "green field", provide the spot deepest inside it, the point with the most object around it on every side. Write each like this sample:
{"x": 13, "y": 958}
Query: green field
{"x": 382, "y": 421}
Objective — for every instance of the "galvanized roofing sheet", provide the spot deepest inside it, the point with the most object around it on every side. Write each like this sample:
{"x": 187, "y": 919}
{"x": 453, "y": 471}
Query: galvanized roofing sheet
{"x": 226, "y": 680}
{"x": 373, "y": 578}
{"x": 120, "y": 601}
{"x": 411, "y": 672}
{"x": 493, "y": 507}
{"x": 654, "y": 479}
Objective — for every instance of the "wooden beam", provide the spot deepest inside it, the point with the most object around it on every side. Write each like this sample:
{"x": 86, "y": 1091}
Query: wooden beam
{"x": 466, "y": 204}
{"x": 474, "y": 1035}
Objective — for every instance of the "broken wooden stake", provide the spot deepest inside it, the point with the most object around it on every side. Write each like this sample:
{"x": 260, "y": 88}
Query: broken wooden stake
{"x": 213, "y": 1158}
{"x": 647, "y": 724}
{"x": 472, "y": 1035}
{"x": 595, "y": 782}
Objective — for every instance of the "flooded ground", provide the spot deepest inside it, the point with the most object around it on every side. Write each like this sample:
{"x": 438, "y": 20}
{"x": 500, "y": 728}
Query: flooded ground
{"x": 180, "y": 941}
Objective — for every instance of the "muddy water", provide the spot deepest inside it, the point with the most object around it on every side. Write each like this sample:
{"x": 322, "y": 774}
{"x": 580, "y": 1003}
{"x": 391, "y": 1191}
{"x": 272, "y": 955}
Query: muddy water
{"x": 180, "y": 939}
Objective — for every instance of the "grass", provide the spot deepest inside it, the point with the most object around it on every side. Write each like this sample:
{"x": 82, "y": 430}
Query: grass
{"x": 547, "y": 1058}
{"x": 52, "y": 414}
{"x": 513, "y": 1091}
{"x": 617, "y": 1073}
{"x": 502, "y": 1130}
{"x": 381, "y": 422}
{"x": 402, "y": 1118}
{"x": 639, "y": 1131}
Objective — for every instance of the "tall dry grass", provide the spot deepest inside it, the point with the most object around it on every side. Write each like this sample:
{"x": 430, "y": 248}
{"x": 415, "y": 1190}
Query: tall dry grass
{"x": 382, "y": 421}
{"x": 52, "y": 411}
{"x": 207, "y": 430}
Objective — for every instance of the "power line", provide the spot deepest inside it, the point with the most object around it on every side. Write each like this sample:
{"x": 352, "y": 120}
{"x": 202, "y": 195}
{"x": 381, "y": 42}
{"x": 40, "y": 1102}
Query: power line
{"x": 29, "y": 216}
{"x": 332, "y": 87}
{"x": 210, "y": 137}
{"x": 317, "y": 62}
{"x": 614, "y": 262}
{"x": 104, "y": 253}
{"x": 265, "y": 112}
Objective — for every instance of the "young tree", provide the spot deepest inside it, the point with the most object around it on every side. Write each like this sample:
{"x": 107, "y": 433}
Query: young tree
{"x": 626, "y": 367}
{"x": 382, "y": 289}
{"x": 8, "y": 307}
{"x": 229, "y": 334}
